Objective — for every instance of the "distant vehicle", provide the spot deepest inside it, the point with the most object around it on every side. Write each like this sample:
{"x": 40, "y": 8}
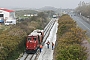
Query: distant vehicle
{"x": 74, "y": 15}
{"x": 10, "y": 22}
{"x": 33, "y": 41}
{"x": 54, "y": 16}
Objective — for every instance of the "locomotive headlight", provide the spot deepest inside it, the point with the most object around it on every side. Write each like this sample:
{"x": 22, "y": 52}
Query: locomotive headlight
{"x": 27, "y": 46}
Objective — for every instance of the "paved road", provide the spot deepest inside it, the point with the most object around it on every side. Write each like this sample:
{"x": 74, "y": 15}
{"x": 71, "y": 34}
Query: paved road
{"x": 82, "y": 24}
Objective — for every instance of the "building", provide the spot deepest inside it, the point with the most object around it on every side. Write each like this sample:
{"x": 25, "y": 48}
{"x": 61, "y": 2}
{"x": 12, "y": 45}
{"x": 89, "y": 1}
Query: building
{"x": 6, "y": 14}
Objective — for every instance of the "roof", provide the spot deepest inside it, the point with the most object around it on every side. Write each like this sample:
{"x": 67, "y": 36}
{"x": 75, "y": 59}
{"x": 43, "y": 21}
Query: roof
{"x": 34, "y": 34}
{"x": 7, "y": 10}
{"x": 37, "y": 30}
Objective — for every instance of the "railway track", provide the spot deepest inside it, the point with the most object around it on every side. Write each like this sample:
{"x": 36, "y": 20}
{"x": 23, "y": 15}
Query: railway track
{"x": 47, "y": 30}
{"x": 29, "y": 57}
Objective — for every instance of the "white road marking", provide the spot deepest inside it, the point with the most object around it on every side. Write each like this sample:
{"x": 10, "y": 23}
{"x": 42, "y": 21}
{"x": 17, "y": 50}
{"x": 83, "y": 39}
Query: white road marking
{"x": 84, "y": 25}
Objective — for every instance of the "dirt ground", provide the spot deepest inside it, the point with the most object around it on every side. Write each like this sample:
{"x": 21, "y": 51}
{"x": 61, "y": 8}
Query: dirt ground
{"x": 87, "y": 45}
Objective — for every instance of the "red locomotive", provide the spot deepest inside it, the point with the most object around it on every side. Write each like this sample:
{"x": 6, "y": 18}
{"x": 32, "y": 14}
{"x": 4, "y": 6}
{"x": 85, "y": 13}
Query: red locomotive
{"x": 34, "y": 40}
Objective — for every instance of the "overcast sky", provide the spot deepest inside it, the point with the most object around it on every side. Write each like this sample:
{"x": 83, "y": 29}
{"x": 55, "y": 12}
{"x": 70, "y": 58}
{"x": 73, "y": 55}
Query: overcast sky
{"x": 40, "y": 3}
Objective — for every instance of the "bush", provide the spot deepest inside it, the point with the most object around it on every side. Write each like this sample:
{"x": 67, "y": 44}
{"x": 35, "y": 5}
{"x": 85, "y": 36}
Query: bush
{"x": 69, "y": 40}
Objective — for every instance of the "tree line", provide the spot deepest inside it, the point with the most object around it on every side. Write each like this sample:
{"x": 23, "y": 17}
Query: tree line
{"x": 83, "y": 9}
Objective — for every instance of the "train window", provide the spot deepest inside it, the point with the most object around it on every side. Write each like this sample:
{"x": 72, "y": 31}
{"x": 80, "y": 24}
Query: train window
{"x": 34, "y": 38}
{"x": 29, "y": 38}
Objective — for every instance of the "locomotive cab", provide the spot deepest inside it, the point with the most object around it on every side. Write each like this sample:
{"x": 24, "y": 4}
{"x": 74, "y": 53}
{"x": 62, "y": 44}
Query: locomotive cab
{"x": 41, "y": 34}
{"x": 33, "y": 41}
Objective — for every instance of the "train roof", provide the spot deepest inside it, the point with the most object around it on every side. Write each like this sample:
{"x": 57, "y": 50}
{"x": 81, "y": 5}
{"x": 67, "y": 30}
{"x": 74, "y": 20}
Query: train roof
{"x": 34, "y": 34}
{"x": 37, "y": 30}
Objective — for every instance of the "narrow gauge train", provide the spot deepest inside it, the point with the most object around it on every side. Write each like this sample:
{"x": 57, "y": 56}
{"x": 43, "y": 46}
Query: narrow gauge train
{"x": 34, "y": 39}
